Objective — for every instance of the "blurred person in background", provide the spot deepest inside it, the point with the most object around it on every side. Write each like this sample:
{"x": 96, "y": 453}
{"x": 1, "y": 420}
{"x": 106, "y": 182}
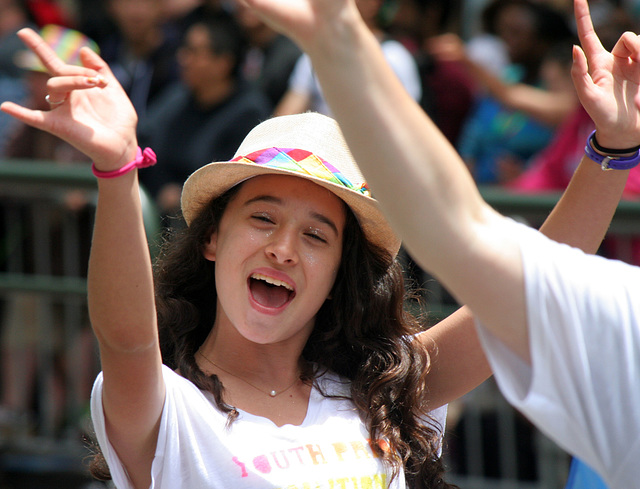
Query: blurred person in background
{"x": 206, "y": 114}
{"x": 199, "y": 9}
{"x": 176, "y": 9}
{"x": 271, "y": 56}
{"x": 448, "y": 90}
{"x": 45, "y": 12}
{"x": 495, "y": 132}
{"x": 13, "y": 17}
{"x": 142, "y": 50}
{"x": 554, "y": 103}
{"x": 304, "y": 92}
{"x": 506, "y": 104}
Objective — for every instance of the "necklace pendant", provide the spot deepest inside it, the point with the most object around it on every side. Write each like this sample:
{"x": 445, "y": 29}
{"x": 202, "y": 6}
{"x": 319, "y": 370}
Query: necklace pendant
{"x": 273, "y": 393}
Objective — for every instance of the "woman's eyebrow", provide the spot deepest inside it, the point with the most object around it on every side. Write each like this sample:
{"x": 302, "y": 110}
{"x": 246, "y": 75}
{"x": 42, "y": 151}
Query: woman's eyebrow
{"x": 264, "y": 198}
{"x": 324, "y": 219}
{"x": 277, "y": 200}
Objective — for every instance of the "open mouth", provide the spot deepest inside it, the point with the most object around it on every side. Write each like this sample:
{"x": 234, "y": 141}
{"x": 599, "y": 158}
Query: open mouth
{"x": 270, "y": 292}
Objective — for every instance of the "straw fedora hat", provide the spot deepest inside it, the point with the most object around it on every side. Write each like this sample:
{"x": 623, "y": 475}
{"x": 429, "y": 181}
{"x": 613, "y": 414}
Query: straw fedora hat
{"x": 308, "y": 145}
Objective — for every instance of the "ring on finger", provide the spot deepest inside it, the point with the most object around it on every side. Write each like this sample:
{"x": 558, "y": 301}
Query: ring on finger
{"x": 54, "y": 104}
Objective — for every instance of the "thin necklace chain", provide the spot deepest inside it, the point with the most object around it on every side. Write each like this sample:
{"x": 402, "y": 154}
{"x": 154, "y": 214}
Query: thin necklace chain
{"x": 271, "y": 393}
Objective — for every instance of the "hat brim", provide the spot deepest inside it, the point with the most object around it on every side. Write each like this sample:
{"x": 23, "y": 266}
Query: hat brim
{"x": 214, "y": 179}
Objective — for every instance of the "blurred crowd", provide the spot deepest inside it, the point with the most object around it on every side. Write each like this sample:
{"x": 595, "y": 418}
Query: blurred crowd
{"x": 494, "y": 75}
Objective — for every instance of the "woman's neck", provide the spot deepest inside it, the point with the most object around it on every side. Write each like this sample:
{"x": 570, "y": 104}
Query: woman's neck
{"x": 273, "y": 366}
{"x": 263, "y": 380}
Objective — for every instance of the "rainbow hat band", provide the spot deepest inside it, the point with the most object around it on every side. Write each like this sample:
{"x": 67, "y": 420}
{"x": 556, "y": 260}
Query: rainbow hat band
{"x": 301, "y": 161}
{"x": 309, "y": 146}
{"x": 65, "y": 42}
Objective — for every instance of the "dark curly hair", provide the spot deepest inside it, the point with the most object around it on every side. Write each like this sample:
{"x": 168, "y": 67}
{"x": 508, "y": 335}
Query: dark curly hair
{"x": 363, "y": 333}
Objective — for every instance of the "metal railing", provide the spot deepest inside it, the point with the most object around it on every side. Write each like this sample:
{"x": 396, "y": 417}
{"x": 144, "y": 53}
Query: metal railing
{"x": 47, "y": 351}
{"x": 534, "y": 208}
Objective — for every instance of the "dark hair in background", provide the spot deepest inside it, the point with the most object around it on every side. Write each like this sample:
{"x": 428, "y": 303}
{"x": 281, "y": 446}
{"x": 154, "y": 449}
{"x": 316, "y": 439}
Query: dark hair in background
{"x": 363, "y": 333}
{"x": 562, "y": 53}
{"x": 447, "y": 12}
{"x": 227, "y": 38}
{"x": 551, "y": 25}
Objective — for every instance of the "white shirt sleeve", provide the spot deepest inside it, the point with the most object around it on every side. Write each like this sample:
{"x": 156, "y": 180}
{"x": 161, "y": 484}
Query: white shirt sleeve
{"x": 583, "y": 387}
{"x": 116, "y": 467}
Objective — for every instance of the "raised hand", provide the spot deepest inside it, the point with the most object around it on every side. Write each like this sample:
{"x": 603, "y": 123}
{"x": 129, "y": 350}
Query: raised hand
{"x": 89, "y": 108}
{"x": 608, "y": 83}
{"x": 303, "y": 20}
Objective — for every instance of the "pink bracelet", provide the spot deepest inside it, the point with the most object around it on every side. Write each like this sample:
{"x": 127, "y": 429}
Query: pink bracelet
{"x": 142, "y": 160}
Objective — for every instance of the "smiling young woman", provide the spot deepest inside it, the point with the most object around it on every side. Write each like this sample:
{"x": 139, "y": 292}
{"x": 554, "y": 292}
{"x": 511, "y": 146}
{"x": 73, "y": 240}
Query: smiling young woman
{"x": 289, "y": 258}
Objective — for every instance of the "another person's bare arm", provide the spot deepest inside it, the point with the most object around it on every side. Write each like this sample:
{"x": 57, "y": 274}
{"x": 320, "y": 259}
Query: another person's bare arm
{"x": 418, "y": 177}
{"x": 581, "y": 219}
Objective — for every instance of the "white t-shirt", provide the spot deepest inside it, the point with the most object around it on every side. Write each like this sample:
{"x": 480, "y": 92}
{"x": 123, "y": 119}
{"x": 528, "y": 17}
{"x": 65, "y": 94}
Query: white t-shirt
{"x": 583, "y": 388}
{"x": 330, "y": 449}
{"x": 303, "y": 79}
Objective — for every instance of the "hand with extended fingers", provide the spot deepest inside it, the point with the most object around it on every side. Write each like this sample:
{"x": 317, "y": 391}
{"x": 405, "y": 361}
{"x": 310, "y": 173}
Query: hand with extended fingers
{"x": 89, "y": 108}
{"x": 608, "y": 83}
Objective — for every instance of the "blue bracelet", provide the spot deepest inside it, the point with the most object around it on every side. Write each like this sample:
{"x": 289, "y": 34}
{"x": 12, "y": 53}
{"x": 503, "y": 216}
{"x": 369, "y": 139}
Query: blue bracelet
{"x": 611, "y": 162}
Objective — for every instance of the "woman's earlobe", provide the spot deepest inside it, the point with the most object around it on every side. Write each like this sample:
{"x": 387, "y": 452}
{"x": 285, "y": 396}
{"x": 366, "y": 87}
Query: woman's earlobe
{"x": 209, "y": 249}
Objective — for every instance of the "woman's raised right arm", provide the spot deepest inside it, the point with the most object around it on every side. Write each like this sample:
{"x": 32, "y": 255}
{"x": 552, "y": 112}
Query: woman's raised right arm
{"x": 97, "y": 118}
